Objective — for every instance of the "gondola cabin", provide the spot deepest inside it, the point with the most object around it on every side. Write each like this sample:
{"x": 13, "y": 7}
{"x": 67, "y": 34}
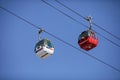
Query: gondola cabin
{"x": 87, "y": 40}
{"x": 44, "y": 48}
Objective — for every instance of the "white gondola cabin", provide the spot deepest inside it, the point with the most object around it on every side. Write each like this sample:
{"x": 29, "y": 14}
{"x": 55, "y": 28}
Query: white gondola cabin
{"x": 44, "y": 48}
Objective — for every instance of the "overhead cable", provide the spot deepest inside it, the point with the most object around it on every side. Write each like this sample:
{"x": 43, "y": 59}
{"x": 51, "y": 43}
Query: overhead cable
{"x": 86, "y": 19}
{"x": 79, "y": 22}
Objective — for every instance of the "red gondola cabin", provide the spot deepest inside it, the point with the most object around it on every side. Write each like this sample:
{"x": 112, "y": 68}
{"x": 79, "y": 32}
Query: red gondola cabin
{"x": 87, "y": 40}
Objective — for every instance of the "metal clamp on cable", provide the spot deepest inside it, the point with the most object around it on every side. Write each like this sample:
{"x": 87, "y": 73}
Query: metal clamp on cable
{"x": 39, "y": 32}
{"x": 89, "y": 18}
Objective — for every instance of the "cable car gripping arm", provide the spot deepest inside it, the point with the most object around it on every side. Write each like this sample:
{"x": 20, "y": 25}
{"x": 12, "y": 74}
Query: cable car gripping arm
{"x": 89, "y": 18}
{"x": 39, "y": 32}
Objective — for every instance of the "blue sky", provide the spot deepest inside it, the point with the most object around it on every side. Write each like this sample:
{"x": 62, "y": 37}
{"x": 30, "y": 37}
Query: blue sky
{"x": 18, "y": 60}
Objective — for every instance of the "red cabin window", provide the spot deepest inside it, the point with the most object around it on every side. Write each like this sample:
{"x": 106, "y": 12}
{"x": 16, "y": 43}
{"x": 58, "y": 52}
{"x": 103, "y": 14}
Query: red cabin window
{"x": 87, "y": 40}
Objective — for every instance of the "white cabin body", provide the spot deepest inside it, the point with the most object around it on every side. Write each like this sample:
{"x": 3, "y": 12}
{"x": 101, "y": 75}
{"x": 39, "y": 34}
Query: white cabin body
{"x": 44, "y": 48}
{"x": 44, "y": 52}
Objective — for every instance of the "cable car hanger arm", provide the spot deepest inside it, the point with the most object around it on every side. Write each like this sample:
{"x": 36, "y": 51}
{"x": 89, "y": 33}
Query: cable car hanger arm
{"x": 89, "y": 19}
